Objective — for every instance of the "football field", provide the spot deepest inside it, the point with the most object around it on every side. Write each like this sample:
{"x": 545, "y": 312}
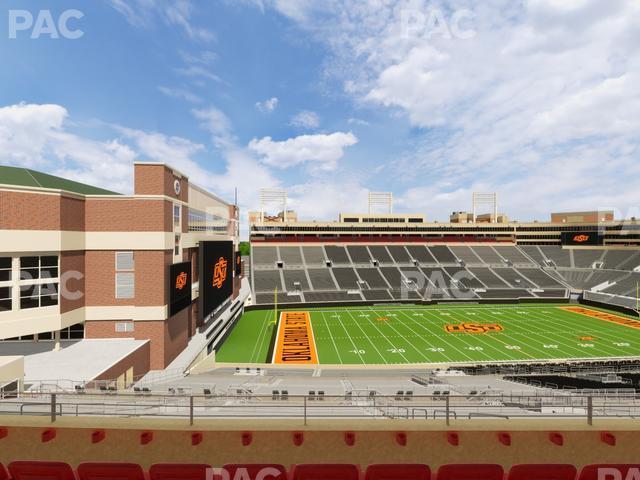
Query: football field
{"x": 442, "y": 334}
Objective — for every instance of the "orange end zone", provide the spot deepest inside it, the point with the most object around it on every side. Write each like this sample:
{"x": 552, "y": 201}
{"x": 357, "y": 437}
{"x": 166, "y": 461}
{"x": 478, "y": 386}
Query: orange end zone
{"x": 607, "y": 317}
{"x": 295, "y": 344}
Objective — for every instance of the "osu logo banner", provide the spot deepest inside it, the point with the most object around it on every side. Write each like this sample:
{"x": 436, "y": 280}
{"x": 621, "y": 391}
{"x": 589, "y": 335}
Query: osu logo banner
{"x": 219, "y": 272}
{"x": 181, "y": 280}
{"x": 215, "y": 267}
{"x": 179, "y": 287}
{"x": 581, "y": 238}
{"x": 476, "y": 328}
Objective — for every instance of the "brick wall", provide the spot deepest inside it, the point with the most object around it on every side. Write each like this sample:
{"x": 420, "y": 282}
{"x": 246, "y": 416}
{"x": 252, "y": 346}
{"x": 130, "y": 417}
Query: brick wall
{"x": 167, "y": 338}
{"x": 71, "y": 262}
{"x": 150, "y": 278}
{"x": 29, "y": 211}
{"x": 128, "y": 215}
{"x": 159, "y": 180}
{"x": 139, "y": 359}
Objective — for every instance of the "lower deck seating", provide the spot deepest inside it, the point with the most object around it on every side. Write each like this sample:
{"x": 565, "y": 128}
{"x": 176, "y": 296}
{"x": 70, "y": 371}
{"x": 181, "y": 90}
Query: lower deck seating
{"x": 39, "y": 470}
{"x": 332, "y": 297}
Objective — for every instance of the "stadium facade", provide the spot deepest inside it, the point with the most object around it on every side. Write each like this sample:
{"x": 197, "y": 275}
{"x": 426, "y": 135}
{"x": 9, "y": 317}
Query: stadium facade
{"x": 81, "y": 262}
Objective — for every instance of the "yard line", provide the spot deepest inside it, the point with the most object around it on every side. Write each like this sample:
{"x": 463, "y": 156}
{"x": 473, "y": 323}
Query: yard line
{"x": 332, "y": 339}
{"x": 482, "y": 337}
{"x": 612, "y": 337}
{"x": 390, "y": 325}
{"x": 357, "y": 350}
{"x": 260, "y": 337}
{"x": 443, "y": 322}
{"x": 368, "y": 339}
{"x": 428, "y": 343}
{"x": 386, "y": 337}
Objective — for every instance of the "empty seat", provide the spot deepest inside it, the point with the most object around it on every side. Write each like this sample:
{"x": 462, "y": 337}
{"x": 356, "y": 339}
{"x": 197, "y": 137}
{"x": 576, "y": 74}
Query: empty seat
{"x": 3, "y": 473}
{"x": 590, "y": 472}
{"x": 39, "y": 471}
{"x": 178, "y": 471}
{"x": 398, "y": 472}
{"x": 256, "y": 471}
{"x": 542, "y": 472}
{"x": 470, "y": 472}
{"x": 110, "y": 471}
{"x": 325, "y": 472}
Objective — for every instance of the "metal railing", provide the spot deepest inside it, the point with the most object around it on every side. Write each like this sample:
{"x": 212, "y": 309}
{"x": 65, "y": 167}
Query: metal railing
{"x": 418, "y": 407}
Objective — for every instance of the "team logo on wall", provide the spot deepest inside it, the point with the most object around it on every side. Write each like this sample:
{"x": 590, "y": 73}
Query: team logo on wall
{"x": 181, "y": 280}
{"x": 477, "y": 328}
{"x": 581, "y": 238}
{"x": 219, "y": 272}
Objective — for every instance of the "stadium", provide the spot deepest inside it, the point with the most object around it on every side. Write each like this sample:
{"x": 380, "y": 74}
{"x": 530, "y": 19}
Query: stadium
{"x": 378, "y": 334}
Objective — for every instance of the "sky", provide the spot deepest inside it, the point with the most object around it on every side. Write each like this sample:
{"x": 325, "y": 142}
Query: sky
{"x": 431, "y": 100}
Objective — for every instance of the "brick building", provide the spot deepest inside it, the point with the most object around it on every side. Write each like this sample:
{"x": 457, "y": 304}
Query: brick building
{"x": 81, "y": 262}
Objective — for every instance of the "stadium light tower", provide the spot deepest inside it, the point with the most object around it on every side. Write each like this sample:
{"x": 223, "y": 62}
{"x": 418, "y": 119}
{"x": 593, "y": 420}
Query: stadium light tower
{"x": 273, "y": 196}
{"x": 384, "y": 199}
{"x": 485, "y": 199}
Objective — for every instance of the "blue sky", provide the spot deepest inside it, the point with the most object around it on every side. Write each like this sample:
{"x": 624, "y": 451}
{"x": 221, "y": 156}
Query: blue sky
{"x": 538, "y": 100}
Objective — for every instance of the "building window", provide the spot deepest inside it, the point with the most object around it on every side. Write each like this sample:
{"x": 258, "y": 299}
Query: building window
{"x": 124, "y": 327}
{"x": 176, "y": 248}
{"x": 5, "y": 298}
{"x": 34, "y": 296}
{"x": 176, "y": 216}
{"x": 125, "y": 285}
{"x": 125, "y": 277}
{"x": 5, "y": 269}
{"x": 124, "y": 261}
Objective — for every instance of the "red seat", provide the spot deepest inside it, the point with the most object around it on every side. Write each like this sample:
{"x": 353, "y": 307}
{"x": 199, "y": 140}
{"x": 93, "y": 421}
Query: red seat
{"x": 590, "y": 472}
{"x": 471, "y": 472}
{"x": 178, "y": 471}
{"x": 110, "y": 471}
{"x": 542, "y": 472}
{"x": 325, "y": 472}
{"x": 3, "y": 473}
{"x": 398, "y": 472}
{"x": 40, "y": 471}
{"x": 254, "y": 471}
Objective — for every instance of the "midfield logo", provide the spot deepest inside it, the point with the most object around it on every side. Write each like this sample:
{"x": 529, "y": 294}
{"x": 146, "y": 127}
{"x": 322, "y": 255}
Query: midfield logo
{"x": 477, "y": 328}
{"x": 219, "y": 272}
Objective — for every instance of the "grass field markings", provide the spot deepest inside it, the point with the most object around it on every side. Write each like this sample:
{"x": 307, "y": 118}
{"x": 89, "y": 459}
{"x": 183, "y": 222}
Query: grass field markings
{"x": 583, "y": 352}
{"x": 600, "y": 331}
{"x": 356, "y": 349}
{"x": 384, "y": 359}
{"x": 542, "y": 354}
{"x": 332, "y": 339}
{"x": 260, "y": 337}
{"x": 518, "y": 352}
{"x": 553, "y": 337}
{"x": 390, "y": 325}
{"x": 387, "y": 338}
{"x": 465, "y": 354}
{"x": 449, "y": 307}
{"x": 422, "y": 337}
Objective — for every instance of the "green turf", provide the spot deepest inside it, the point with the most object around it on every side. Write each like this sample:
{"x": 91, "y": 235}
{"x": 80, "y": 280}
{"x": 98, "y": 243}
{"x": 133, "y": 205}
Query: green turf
{"x": 417, "y": 335}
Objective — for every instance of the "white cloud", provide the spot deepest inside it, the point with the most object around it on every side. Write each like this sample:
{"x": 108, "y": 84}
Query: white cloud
{"x": 267, "y": 106}
{"x": 542, "y": 103}
{"x": 180, "y": 93}
{"x": 176, "y": 13}
{"x": 306, "y": 120}
{"x": 322, "y": 151}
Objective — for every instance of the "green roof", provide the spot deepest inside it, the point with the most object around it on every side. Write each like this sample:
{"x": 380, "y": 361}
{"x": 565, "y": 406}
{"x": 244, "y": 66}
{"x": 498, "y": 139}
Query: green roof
{"x": 30, "y": 178}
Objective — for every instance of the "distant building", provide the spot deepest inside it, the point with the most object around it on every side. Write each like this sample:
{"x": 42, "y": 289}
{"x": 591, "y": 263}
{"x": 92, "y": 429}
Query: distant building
{"x": 583, "y": 217}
